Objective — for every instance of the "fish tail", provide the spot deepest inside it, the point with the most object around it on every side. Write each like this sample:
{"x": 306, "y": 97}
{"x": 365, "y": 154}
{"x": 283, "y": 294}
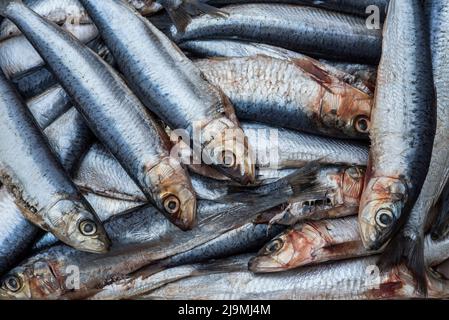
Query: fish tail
{"x": 291, "y": 186}
{"x": 182, "y": 15}
{"x": 5, "y": 3}
{"x": 409, "y": 250}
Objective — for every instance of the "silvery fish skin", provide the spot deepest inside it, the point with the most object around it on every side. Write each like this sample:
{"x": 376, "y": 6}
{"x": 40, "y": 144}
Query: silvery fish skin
{"x": 302, "y": 97}
{"x": 402, "y": 125}
{"x": 357, "y": 75}
{"x": 408, "y": 245}
{"x": 69, "y": 138}
{"x": 113, "y": 113}
{"x": 49, "y": 105}
{"x": 16, "y": 233}
{"x": 151, "y": 63}
{"x": 34, "y": 82}
{"x": 357, "y": 7}
{"x": 14, "y": 64}
{"x": 280, "y": 148}
{"x": 308, "y": 30}
{"x": 65, "y": 12}
{"x": 348, "y": 279}
{"x": 41, "y": 188}
{"x": 337, "y": 194}
{"x": 438, "y": 13}
{"x": 311, "y": 243}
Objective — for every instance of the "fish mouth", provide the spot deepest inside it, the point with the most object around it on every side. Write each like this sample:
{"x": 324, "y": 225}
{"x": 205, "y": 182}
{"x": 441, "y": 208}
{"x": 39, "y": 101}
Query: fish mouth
{"x": 260, "y": 264}
{"x": 185, "y": 218}
{"x": 369, "y": 236}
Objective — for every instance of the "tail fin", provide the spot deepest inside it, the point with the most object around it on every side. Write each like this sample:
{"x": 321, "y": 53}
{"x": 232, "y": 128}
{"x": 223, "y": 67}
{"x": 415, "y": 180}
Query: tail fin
{"x": 291, "y": 186}
{"x": 410, "y": 250}
{"x": 181, "y": 16}
{"x": 4, "y": 5}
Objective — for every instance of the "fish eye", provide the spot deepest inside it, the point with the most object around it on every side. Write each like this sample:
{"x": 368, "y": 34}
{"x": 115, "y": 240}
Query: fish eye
{"x": 384, "y": 217}
{"x": 362, "y": 124}
{"x": 274, "y": 246}
{"x": 88, "y": 227}
{"x": 172, "y": 204}
{"x": 228, "y": 159}
{"x": 13, "y": 283}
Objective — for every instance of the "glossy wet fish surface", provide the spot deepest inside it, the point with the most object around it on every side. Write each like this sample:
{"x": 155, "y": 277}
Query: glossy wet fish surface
{"x": 224, "y": 149}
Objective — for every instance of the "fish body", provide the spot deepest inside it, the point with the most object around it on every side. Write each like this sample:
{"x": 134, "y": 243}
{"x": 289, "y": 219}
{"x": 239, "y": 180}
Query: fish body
{"x": 402, "y": 125}
{"x": 113, "y": 113}
{"x": 16, "y": 233}
{"x": 309, "y": 30}
{"x": 172, "y": 87}
{"x": 49, "y": 105}
{"x": 38, "y": 183}
{"x": 303, "y": 96}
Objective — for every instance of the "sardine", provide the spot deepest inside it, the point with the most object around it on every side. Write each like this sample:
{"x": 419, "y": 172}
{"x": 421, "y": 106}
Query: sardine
{"x": 151, "y": 63}
{"x": 347, "y": 279}
{"x": 303, "y": 96}
{"x": 134, "y": 245}
{"x": 438, "y": 14}
{"x": 408, "y": 244}
{"x": 358, "y": 75}
{"x": 309, "y": 30}
{"x": 361, "y": 8}
{"x": 42, "y": 190}
{"x": 403, "y": 125}
{"x": 113, "y": 113}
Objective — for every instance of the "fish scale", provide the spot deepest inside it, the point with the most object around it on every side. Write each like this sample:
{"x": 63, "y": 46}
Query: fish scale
{"x": 284, "y": 93}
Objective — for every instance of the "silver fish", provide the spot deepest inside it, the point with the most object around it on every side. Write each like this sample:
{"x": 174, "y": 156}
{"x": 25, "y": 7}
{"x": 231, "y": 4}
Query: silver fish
{"x": 403, "y": 126}
{"x": 347, "y": 279}
{"x": 408, "y": 244}
{"x": 113, "y": 113}
{"x": 303, "y": 97}
{"x": 38, "y": 183}
{"x": 438, "y": 175}
{"x": 151, "y": 62}
{"x": 357, "y": 75}
{"x": 304, "y": 29}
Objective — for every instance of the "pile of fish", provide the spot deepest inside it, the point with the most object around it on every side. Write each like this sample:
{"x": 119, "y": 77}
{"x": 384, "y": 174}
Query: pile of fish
{"x": 224, "y": 149}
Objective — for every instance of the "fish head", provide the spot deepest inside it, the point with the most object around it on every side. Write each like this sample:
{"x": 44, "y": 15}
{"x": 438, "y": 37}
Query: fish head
{"x": 33, "y": 280}
{"x": 291, "y": 249}
{"x": 350, "y": 112}
{"x": 229, "y": 151}
{"x": 75, "y": 223}
{"x": 381, "y": 207}
{"x": 174, "y": 193}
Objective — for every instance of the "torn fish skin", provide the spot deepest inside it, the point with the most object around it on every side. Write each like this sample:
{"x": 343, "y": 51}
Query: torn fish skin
{"x": 171, "y": 86}
{"x": 402, "y": 125}
{"x": 114, "y": 115}
{"x": 303, "y": 96}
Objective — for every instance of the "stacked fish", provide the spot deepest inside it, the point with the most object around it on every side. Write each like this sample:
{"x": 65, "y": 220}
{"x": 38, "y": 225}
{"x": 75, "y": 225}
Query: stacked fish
{"x": 224, "y": 149}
